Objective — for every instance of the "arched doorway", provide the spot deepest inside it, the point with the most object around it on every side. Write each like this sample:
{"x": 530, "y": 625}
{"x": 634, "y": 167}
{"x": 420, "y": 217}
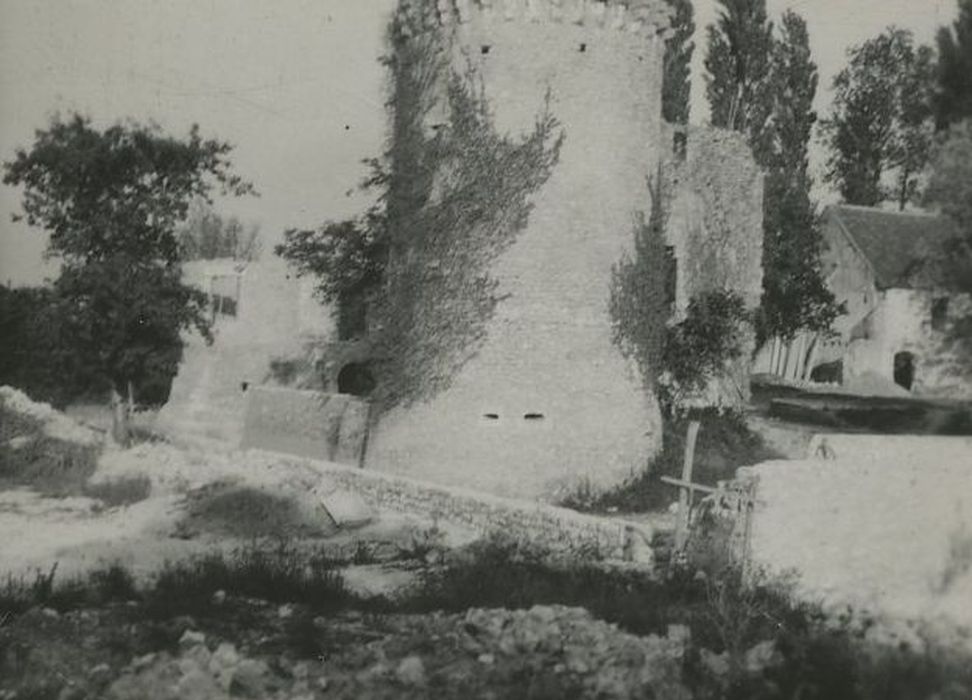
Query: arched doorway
{"x": 356, "y": 379}
{"x": 904, "y": 369}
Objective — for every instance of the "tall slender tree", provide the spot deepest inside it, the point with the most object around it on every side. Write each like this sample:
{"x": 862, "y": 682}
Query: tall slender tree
{"x": 953, "y": 99}
{"x": 676, "y": 83}
{"x": 738, "y": 69}
{"x": 763, "y": 83}
{"x": 795, "y": 295}
{"x": 881, "y": 119}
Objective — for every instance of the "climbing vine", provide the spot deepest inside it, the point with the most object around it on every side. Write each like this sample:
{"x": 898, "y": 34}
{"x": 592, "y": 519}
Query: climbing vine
{"x": 639, "y": 304}
{"x": 675, "y": 358}
{"x": 439, "y": 294}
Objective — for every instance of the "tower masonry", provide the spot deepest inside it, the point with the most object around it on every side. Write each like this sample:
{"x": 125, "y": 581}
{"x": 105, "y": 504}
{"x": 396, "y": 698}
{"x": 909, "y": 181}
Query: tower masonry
{"x": 547, "y": 401}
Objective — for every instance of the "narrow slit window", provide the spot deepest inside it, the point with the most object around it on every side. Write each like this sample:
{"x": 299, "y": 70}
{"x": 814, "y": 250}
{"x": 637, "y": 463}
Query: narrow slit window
{"x": 582, "y": 48}
{"x": 484, "y": 49}
{"x": 491, "y": 416}
{"x": 532, "y": 416}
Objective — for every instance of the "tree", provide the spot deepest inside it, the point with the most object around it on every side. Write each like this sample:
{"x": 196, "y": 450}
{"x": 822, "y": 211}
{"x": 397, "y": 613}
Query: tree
{"x": 347, "y": 258}
{"x": 795, "y": 295}
{"x": 111, "y": 201}
{"x": 953, "y": 99}
{"x": 763, "y": 83}
{"x": 950, "y": 178}
{"x": 676, "y": 85}
{"x": 207, "y": 236}
{"x": 738, "y": 71}
{"x": 881, "y": 119}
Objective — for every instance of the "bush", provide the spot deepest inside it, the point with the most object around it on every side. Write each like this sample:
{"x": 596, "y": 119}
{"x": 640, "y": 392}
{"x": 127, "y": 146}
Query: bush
{"x": 282, "y": 575}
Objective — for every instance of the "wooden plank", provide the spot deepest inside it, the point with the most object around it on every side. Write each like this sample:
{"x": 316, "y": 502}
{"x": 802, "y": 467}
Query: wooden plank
{"x": 688, "y": 485}
{"x": 684, "y": 494}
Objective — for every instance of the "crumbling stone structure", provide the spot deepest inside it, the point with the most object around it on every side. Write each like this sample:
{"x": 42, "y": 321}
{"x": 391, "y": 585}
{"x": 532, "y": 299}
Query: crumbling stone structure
{"x": 546, "y": 401}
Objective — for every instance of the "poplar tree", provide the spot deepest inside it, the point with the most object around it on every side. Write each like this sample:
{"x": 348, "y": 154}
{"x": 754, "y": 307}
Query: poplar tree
{"x": 676, "y": 83}
{"x": 762, "y": 84}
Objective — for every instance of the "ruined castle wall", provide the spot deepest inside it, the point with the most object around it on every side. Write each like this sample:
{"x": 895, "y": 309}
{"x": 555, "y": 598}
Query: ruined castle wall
{"x": 274, "y": 318}
{"x": 715, "y": 225}
{"x": 548, "y": 401}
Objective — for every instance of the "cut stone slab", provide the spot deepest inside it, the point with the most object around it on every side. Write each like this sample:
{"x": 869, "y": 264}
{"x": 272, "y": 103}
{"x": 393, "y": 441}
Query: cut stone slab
{"x": 346, "y": 508}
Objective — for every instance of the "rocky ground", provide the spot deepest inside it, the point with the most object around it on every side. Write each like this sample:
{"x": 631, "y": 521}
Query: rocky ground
{"x": 257, "y": 650}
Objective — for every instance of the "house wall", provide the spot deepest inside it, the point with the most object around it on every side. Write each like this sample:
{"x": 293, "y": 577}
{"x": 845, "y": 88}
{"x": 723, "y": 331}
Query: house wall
{"x": 548, "y": 347}
{"x": 902, "y": 322}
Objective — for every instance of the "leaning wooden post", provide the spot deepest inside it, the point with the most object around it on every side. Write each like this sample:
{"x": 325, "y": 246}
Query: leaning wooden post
{"x": 685, "y": 492}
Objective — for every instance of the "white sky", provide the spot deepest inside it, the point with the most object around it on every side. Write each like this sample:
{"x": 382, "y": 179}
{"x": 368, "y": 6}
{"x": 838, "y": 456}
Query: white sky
{"x": 294, "y": 84}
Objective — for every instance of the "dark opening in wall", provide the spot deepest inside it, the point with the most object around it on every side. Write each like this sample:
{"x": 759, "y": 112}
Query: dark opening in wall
{"x": 679, "y": 145}
{"x": 582, "y": 48}
{"x": 939, "y": 313}
{"x": 904, "y": 369}
{"x": 491, "y": 416}
{"x": 244, "y": 386}
{"x": 356, "y": 379}
{"x": 484, "y": 49}
{"x": 532, "y": 416}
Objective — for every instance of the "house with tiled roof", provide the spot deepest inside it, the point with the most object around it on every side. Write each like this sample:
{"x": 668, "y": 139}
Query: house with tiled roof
{"x": 887, "y": 269}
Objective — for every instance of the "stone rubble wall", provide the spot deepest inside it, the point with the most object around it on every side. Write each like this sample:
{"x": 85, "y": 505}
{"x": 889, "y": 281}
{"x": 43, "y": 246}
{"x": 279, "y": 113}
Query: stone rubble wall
{"x": 560, "y": 530}
{"x": 311, "y": 424}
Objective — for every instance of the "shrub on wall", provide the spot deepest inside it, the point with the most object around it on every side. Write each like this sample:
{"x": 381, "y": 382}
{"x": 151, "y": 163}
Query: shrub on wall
{"x": 698, "y": 348}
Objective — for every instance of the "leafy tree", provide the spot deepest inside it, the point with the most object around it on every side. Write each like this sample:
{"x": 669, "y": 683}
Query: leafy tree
{"x": 35, "y": 349}
{"x": 347, "y": 258}
{"x": 953, "y": 100}
{"x": 676, "y": 85}
{"x": 762, "y": 83}
{"x": 208, "y": 236}
{"x": 881, "y": 119}
{"x": 112, "y": 201}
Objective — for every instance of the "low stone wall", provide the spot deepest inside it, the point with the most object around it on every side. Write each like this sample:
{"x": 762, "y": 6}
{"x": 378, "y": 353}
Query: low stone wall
{"x": 877, "y": 528}
{"x": 559, "y": 530}
{"x": 311, "y": 424}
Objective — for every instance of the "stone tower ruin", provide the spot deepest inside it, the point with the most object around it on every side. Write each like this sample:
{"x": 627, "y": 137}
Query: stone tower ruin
{"x": 546, "y": 401}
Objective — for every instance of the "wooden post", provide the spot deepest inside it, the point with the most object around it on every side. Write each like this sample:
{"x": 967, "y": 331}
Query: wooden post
{"x": 684, "y": 493}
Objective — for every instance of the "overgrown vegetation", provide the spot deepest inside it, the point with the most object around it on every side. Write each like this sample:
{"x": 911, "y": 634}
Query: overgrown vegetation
{"x": 742, "y": 641}
{"x": 452, "y": 196}
{"x": 29, "y": 458}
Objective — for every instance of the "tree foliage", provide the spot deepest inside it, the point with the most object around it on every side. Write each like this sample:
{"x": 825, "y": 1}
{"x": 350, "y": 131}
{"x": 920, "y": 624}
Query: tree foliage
{"x": 347, "y": 259}
{"x": 881, "y": 121}
{"x": 208, "y": 236}
{"x": 762, "y": 83}
{"x": 953, "y": 100}
{"x": 111, "y": 201}
{"x": 738, "y": 65}
{"x": 698, "y": 347}
{"x": 949, "y": 186}
{"x": 676, "y": 83}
